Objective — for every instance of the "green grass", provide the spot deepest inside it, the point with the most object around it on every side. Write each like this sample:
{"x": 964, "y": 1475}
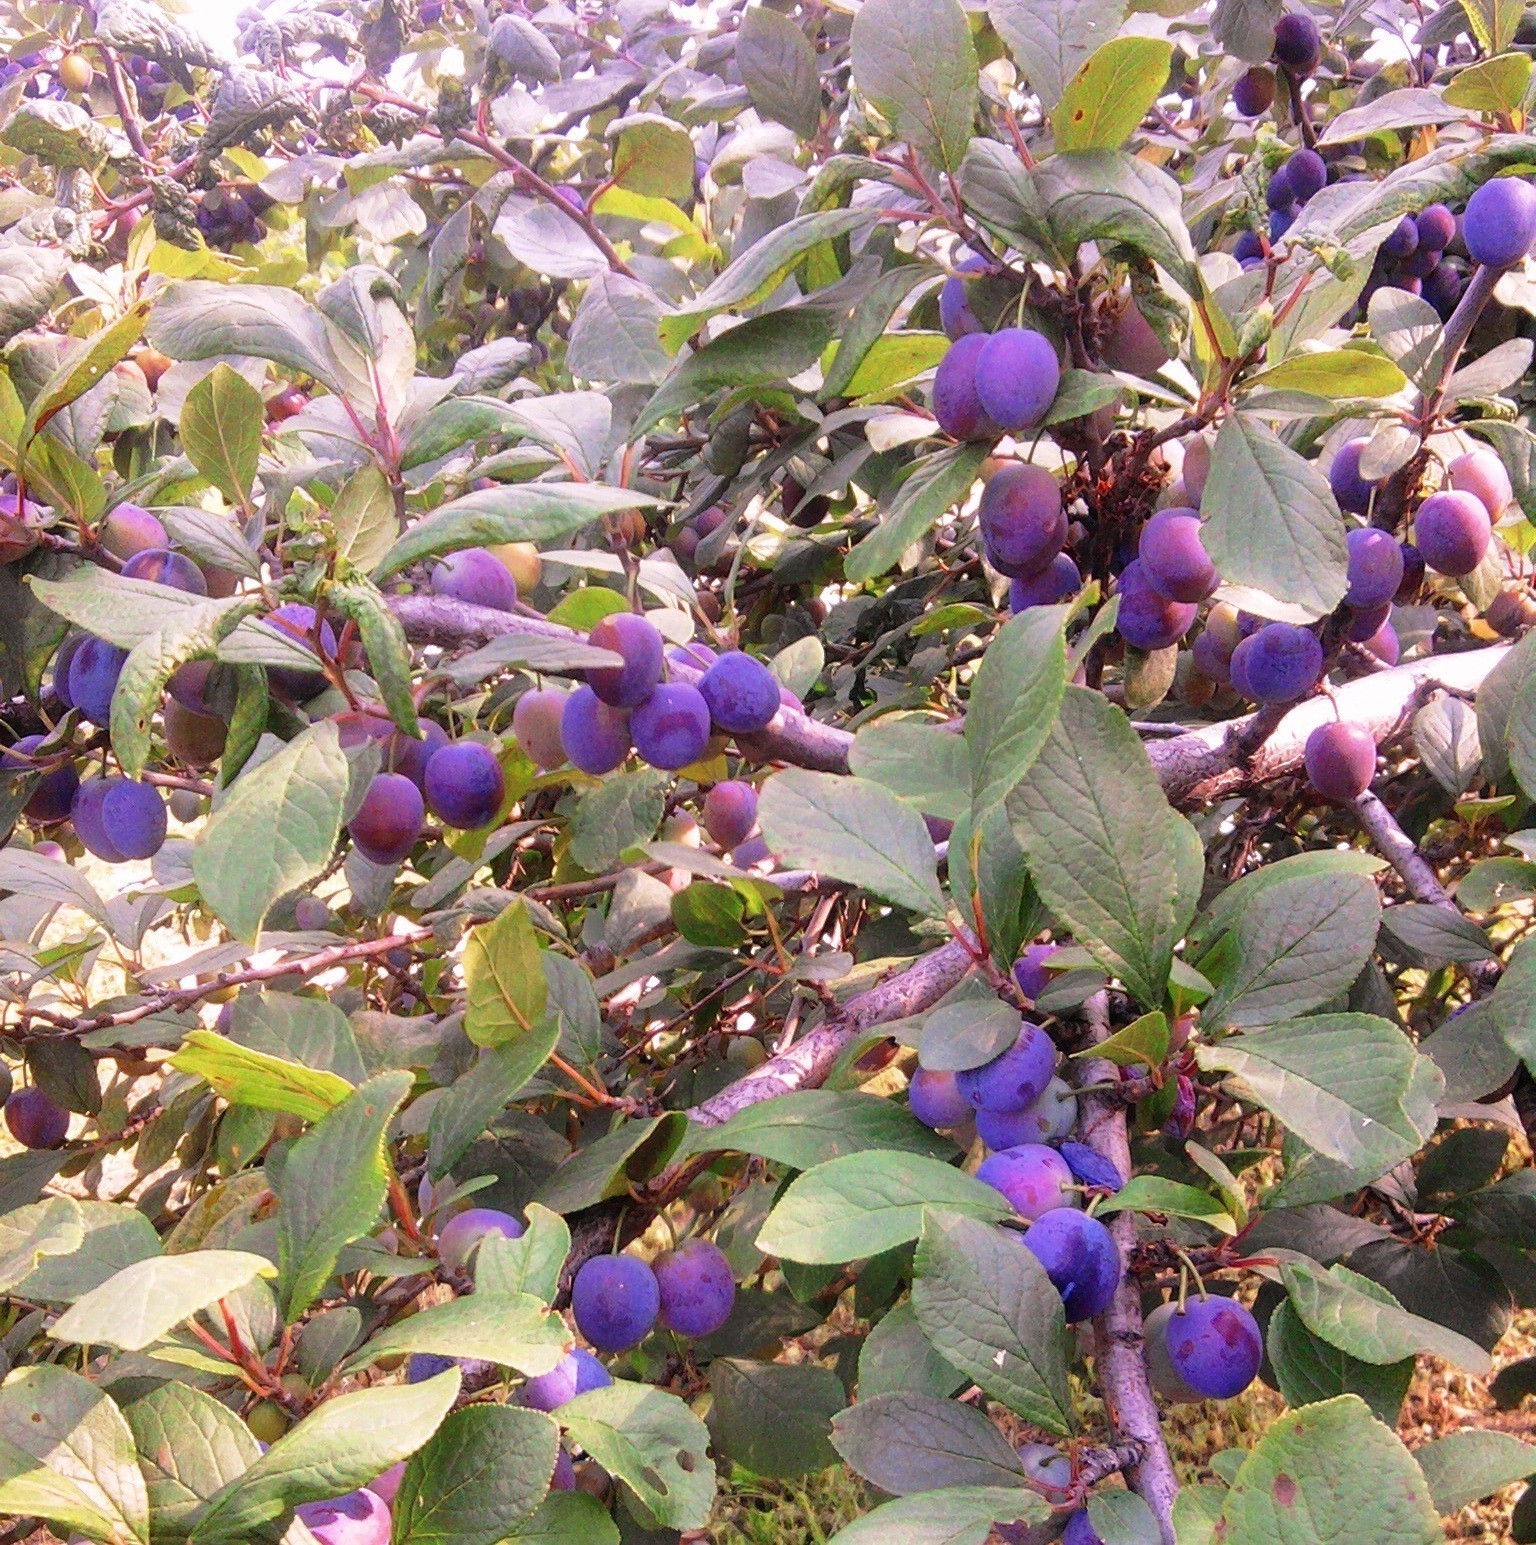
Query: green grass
{"x": 808, "y": 1511}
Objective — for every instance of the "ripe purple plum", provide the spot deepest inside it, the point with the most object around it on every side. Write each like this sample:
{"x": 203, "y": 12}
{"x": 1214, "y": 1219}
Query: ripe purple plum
{"x": 1278, "y": 664}
{"x": 1046, "y": 1468}
{"x": 1048, "y": 1120}
{"x": 34, "y": 1120}
{"x": 1059, "y": 581}
{"x": 1413, "y": 572}
{"x": 1482, "y": 474}
{"x": 576, "y": 1373}
{"x": 474, "y": 575}
{"x": 1352, "y": 491}
{"x": 1079, "y": 1256}
{"x": 1029, "y": 970}
{"x": 1341, "y": 760}
{"x": 1385, "y": 644}
{"x": 409, "y": 756}
{"x": 1017, "y": 373}
{"x": 1147, "y": 620}
{"x": 55, "y": 792}
{"x": 1306, "y": 171}
{"x": 1090, "y": 1168}
{"x": 1298, "y": 45}
{"x": 1404, "y": 239}
{"x": 161, "y": 567}
{"x": 460, "y": 1237}
{"x": 296, "y": 621}
{"x": 1436, "y": 226}
{"x": 615, "y": 1300}
{"x": 1500, "y": 222}
{"x": 536, "y": 726}
{"x": 130, "y": 529}
{"x": 1442, "y": 288}
{"x": 730, "y": 812}
{"x": 197, "y": 739}
{"x": 1254, "y": 93}
{"x": 387, "y": 1485}
{"x": 563, "y": 1477}
{"x": 388, "y": 821}
{"x": 1023, "y": 522}
{"x": 427, "y": 1365}
{"x": 670, "y": 728}
{"x": 935, "y": 1099}
{"x": 190, "y": 684}
{"x": 956, "y": 404}
{"x": 1174, "y": 558}
{"x": 94, "y": 668}
{"x": 644, "y": 651}
{"x": 594, "y": 736}
{"x": 1035, "y": 1179}
{"x": 1451, "y": 530}
{"x": 1375, "y": 568}
{"x": 1210, "y": 659}
{"x": 1014, "y": 1079}
{"x": 1279, "y": 195}
{"x": 742, "y": 694}
{"x": 1215, "y": 1347}
{"x": 955, "y": 314}
{"x": 465, "y": 785}
{"x": 1080, "y": 1530}
{"x": 697, "y": 1287}
{"x": 359, "y": 1518}
{"x": 1363, "y": 624}
{"x": 118, "y": 820}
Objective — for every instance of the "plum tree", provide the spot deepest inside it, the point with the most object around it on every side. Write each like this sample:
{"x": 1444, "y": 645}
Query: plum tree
{"x": 1033, "y": 1177}
{"x": 1015, "y": 1078}
{"x": 1452, "y": 531}
{"x": 697, "y": 1287}
{"x": 643, "y": 648}
{"x": 1023, "y": 522}
{"x": 741, "y": 693}
{"x": 459, "y": 1238}
{"x": 34, "y": 1120}
{"x": 615, "y": 1300}
{"x": 465, "y": 785}
{"x": 670, "y": 729}
{"x": 478, "y": 576}
{"x": 1079, "y": 1256}
{"x": 388, "y": 821}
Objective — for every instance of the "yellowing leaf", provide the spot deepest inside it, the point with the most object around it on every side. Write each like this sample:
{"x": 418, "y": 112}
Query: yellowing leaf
{"x": 1111, "y": 94}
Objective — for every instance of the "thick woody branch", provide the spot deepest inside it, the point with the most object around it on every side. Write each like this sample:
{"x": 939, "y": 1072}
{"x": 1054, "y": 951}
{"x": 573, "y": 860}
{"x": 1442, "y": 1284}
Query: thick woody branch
{"x": 1121, "y": 1354}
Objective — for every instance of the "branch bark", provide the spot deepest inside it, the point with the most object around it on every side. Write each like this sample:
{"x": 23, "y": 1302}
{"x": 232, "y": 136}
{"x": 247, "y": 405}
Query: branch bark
{"x": 1121, "y": 1346}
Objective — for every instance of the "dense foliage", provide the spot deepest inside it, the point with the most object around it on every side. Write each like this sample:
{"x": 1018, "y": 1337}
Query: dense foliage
{"x": 754, "y": 737}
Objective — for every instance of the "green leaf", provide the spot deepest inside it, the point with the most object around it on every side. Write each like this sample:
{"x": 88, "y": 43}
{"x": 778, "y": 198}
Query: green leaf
{"x": 775, "y": 1419}
{"x": 275, "y": 830}
{"x": 309, "y": 1031}
{"x": 633, "y": 1151}
{"x": 624, "y": 811}
{"x": 778, "y": 68}
{"x": 897, "y": 1357}
{"x": 1154, "y": 1194}
{"x": 957, "y": 1515}
{"x": 114, "y": 1235}
{"x": 1513, "y": 1003}
{"x": 1494, "y": 22}
{"x": 1329, "y": 1472}
{"x": 363, "y": 518}
{"x": 1295, "y": 947}
{"x": 190, "y": 1447}
{"x": 916, "y": 63}
{"x": 245, "y": 1076}
{"x": 29, "y": 1235}
{"x": 907, "y": 1442}
{"x": 710, "y": 915}
{"x": 1014, "y": 701}
{"x": 1333, "y": 373}
{"x": 649, "y": 1440}
{"x": 1410, "y": 333}
{"x": 1496, "y": 703}
{"x": 567, "y": 1518}
{"x": 1495, "y": 85}
{"x": 1110, "y": 95}
{"x": 1271, "y": 521}
{"x": 531, "y": 1263}
{"x": 1053, "y": 39}
{"x": 1106, "y": 851}
{"x": 31, "y": 1489}
{"x": 221, "y": 431}
{"x": 509, "y": 512}
{"x": 988, "y": 1308}
{"x": 483, "y": 1471}
{"x": 807, "y": 1127}
{"x": 75, "y": 1429}
{"x": 865, "y": 1203}
{"x": 855, "y": 831}
{"x": 1141, "y": 1044}
{"x": 342, "y": 1444}
{"x": 331, "y": 1188}
{"x": 918, "y": 761}
{"x": 464, "y": 1111}
{"x": 1465, "y": 1467}
{"x": 504, "y": 978}
{"x": 1355, "y": 1315}
{"x": 863, "y": 338}
{"x": 935, "y": 484}
{"x": 1340, "y": 1082}
{"x": 756, "y": 273}
{"x": 1308, "y": 1370}
{"x": 958, "y": 1036}
{"x": 143, "y": 1302}
{"x": 514, "y": 1330}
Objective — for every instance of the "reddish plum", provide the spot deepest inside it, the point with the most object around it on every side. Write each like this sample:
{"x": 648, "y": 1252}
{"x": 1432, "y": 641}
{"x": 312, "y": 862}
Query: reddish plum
{"x": 55, "y": 792}
{"x": 644, "y": 651}
{"x": 1174, "y": 558}
{"x": 730, "y": 812}
{"x": 536, "y": 726}
{"x": 1451, "y": 530}
{"x": 162, "y": 567}
{"x": 1341, "y": 760}
{"x": 359, "y": 1518}
{"x": 129, "y": 529}
{"x": 1023, "y": 522}
{"x": 34, "y": 1120}
{"x": 1483, "y": 475}
{"x": 388, "y": 821}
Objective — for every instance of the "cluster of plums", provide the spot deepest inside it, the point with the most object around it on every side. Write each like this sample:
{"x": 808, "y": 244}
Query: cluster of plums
{"x": 990, "y": 384}
{"x": 634, "y": 706}
{"x": 231, "y": 217}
